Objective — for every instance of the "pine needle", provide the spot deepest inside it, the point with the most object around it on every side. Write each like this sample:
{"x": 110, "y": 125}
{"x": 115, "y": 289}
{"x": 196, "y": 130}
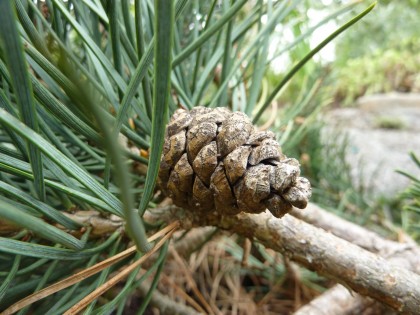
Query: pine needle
{"x": 82, "y": 275}
{"x": 120, "y": 276}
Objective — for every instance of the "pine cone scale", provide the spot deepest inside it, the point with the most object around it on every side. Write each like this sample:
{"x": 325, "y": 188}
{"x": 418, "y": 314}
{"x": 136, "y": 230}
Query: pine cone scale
{"x": 180, "y": 121}
{"x": 174, "y": 147}
{"x": 265, "y": 151}
{"x": 236, "y": 163}
{"x": 221, "y": 187}
{"x": 205, "y": 162}
{"x": 198, "y": 137}
{"x": 234, "y": 133}
{"x": 202, "y": 196}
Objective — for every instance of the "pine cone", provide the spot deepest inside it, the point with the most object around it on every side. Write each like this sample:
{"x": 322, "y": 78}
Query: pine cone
{"x": 216, "y": 159}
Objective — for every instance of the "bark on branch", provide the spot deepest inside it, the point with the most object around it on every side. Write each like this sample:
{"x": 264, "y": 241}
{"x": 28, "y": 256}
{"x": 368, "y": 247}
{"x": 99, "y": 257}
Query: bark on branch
{"x": 405, "y": 254}
{"x": 318, "y": 250}
{"x": 336, "y": 300}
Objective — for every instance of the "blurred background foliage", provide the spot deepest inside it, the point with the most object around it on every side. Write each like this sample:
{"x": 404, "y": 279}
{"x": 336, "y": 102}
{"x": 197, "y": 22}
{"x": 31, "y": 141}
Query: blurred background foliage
{"x": 384, "y": 58}
{"x": 87, "y": 54}
{"x": 378, "y": 55}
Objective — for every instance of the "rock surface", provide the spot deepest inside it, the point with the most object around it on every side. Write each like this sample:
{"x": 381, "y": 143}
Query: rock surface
{"x": 377, "y": 149}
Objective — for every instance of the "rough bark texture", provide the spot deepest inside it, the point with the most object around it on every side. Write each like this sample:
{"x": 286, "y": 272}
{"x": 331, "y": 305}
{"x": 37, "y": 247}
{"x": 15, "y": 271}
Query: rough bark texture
{"x": 348, "y": 264}
{"x": 406, "y": 254}
{"x": 337, "y": 300}
{"x": 318, "y": 250}
{"x": 216, "y": 159}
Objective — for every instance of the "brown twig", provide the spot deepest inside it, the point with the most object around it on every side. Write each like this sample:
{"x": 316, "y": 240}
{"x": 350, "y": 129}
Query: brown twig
{"x": 406, "y": 254}
{"x": 193, "y": 240}
{"x": 99, "y": 225}
{"x": 337, "y": 300}
{"x": 246, "y": 252}
{"x": 329, "y": 255}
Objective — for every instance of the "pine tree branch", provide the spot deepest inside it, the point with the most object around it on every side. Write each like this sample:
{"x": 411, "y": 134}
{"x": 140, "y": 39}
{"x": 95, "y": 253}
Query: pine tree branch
{"x": 318, "y": 250}
{"x": 348, "y": 264}
{"x": 99, "y": 224}
{"x": 336, "y": 300}
{"x": 344, "y": 229}
{"x": 405, "y": 255}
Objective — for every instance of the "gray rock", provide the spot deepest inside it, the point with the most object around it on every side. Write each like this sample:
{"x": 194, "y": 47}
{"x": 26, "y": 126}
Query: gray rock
{"x": 380, "y": 151}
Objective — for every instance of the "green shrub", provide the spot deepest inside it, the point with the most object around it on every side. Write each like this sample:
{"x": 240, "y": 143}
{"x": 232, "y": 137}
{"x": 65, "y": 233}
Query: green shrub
{"x": 390, "y": 69}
